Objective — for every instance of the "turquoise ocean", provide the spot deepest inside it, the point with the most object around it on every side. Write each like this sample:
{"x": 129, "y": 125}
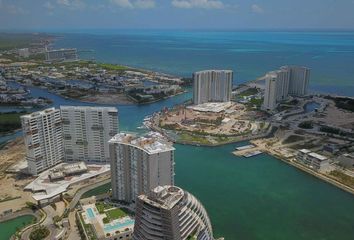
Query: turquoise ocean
{"x": 260, "y": 198}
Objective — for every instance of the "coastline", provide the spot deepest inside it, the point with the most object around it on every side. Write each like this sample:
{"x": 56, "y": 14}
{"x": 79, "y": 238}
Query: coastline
{"x": 314, "y": 173}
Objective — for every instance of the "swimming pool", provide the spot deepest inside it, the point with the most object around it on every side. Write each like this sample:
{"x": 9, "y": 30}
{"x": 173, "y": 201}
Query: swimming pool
{"x": 90, "y": 213}
{"x": 115, "y": 226}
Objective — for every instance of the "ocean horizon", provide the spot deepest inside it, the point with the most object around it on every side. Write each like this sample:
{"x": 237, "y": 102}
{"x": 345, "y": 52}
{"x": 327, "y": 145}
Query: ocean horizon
{"x": 250, "y": 54}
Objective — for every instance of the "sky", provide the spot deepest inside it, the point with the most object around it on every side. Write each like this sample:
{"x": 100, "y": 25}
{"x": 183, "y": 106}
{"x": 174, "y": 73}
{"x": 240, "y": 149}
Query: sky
{"x": 176, "y": 14}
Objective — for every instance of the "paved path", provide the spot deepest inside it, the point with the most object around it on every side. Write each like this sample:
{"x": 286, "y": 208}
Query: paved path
{"x": 81, "y": 192}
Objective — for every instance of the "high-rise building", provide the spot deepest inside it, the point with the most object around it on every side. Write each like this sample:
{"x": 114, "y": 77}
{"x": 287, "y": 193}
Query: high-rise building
{"x": 280, "y": 84}
{"x": 86, "y": 132}
{"x": 299, "y": 78}
{"x": 43, "y": 139}
{"x": 139, "y": 164}
{"x": 277, "y": 88}
{"x": 170, "y": 213}
{"x": 212, "y": 86}
{"x": 61, "y": 55}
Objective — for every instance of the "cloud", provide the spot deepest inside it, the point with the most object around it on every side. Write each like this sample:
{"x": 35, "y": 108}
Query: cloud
{"x": 72, "y": 4}
{"x": 123, "y": 3}
{"x": 48, "y": 5}
{"x": 142, "y": 4}
{"x": 206, "y": 4}
{"x": 257, "y": 9}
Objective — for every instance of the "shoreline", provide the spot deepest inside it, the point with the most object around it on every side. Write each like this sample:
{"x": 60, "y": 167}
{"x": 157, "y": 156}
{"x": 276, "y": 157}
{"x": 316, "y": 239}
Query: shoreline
{"x": 318, "y": 175}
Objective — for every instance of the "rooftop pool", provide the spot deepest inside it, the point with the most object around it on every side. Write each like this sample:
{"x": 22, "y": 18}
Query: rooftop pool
{"x": 118, "y": 225}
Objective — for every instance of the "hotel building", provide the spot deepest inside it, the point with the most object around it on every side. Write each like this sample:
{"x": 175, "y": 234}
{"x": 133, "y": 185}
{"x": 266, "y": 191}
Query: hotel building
{"x": 43, "y": 139}
{"x": 61, "y": 55}
{"x": 170, "y": 213}
{"x": 86, "y": 132}
{"x": 139, "y": 164}
{"x": 280, "y": 84}
{"x": 212, "y": 86}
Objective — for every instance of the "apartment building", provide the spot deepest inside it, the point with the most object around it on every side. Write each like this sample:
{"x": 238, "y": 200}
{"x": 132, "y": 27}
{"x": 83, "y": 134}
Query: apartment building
{"x": 139, "y": 164}
{"x": 86, "y": 132}
{"x": 170, "y": 213}
{"x": 43, "y": 139}
{"x": 212, "y": 86}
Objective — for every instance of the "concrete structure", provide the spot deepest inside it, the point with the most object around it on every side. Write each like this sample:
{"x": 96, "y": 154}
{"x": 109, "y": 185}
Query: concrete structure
{"x": 313, "y": 160}
{"x": 346, "y": 160}
{"x": 23, "y": 52}
{"x": 212, "y": 86}
{"x": 117, "y": 229}
{"x": 46, "y": 191}
{"x": 276, "y": 90}
{"x": 169, "y": 213}
{"x": 299, "y": 78}
{"x": 61, "y": 55}
{"x": 43, "y": 139}
{"x": 288, "y": 81}
{"x": 86, "y": 132}
{"x": 139, "y": 164}
{"x": 67, "y": 170}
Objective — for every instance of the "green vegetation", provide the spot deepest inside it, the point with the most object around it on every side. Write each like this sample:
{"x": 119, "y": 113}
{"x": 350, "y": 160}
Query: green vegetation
{"x": 10, "y": 121}
{"x": 186, "y": 137}
{"x": 293, "y": 139}
{"x": 336, "y": 131}
{"x": 344, "y": 103}
{"x": 343, "y": 178}
{"x": 40, "y": 232}
{"x": 31, "y": 205}
{"x": 112, "y": 67}
{"x": 15, "y": 40}
{"x": 306, "y": 125}
{"x": 101, "y": 207}
{"x": 248, "y": 92}
{"x": 88, "y": 229}
{"x": 255, "y": 102}
{"x": 115, "y": 214}
{"x": 8, "y": 198}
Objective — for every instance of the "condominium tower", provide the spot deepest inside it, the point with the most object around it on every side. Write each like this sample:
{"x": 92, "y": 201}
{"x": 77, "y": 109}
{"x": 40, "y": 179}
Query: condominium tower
{"x": 170, "y": 213}
{"x": 280, "y": 84}
{"x": 139, "y": 164}
{"x": 43, "y": 139}
{"x": 299, "y": 78}
{"x": 86, "y": 132}
{"x": 212, "y": 86}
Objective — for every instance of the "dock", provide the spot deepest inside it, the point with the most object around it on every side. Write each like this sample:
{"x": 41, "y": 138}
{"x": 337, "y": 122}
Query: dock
{"x": 252, "y": 154}
{"x": 245, "y": 147}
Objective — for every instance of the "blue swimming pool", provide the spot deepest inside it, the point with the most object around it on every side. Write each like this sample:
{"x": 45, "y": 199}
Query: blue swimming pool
{"x": 90, "y": 213}
{"x": 112, "y": 227}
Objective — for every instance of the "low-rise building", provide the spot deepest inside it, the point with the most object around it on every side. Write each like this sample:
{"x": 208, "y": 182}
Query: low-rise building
{"x": 346, "y": 160}
{"x": 313, "y": 160}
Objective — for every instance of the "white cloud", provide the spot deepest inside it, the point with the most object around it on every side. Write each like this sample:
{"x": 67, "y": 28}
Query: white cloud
{"x": 207, "y": 4}
{"x": 72, "y": 4}
{"x": 63, "y": 2}
{"x": 257, "y": 9}
{"x": 48, "y": 5}
{"x": 143, "y": 4}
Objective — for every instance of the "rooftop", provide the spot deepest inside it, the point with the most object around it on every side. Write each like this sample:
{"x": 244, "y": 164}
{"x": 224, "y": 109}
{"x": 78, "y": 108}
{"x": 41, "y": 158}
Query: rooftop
{"x": 163, "y": 197}
{"x": 39, "y": 113}
{"x": 151, "y": 142}
{"x": 213, "y": 70}
{"x": 305, "y": 151}
{"x": 318, "y": 156}
{"x": 111, "y": 109}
